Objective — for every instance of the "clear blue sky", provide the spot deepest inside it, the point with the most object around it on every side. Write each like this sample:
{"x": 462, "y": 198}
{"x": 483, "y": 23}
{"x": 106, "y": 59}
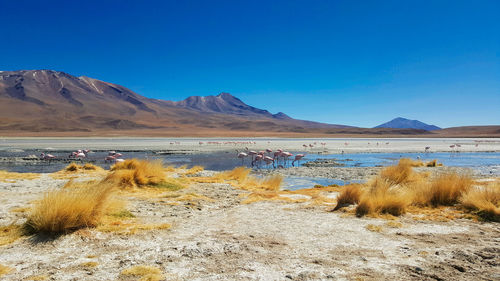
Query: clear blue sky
{"x": 359, "y": 63}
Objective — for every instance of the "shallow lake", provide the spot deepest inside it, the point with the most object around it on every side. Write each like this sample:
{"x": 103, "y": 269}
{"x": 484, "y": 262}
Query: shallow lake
{"x": 487, "y": 162}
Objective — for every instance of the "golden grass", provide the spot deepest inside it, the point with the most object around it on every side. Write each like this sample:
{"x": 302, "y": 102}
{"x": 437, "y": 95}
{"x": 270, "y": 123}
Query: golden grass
{"x": 349, "y": 195}
{"x": 127, "y": 225}
{"x": 66, "y": 210}
{"x": 447, "y": 188}
{"x": 13, "y": 177}
{"x": 5, "y": 270}
{"x": 374, "y": 228}
{"x": 73, "y": 167}
{"x": 485, "y": 201}
{"x": 90, "y": 264}
{"x": 145, "y": 272}
{"x": 73, "y": 170}
{"x": 10, "y": 233}
{"x": 140, "y": 173}
{"x": 394, "y": 224}
{"x": 382, "y": 197}
{"x": 401, "y": 173}
{"x": 194, "y": 170}
{"x": 238, "y": 174}
{"x": 397, "y": 188}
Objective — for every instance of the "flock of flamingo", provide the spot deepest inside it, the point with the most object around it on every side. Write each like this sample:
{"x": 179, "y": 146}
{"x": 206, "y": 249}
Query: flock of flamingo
{"x": 80, "y": 154}
{"x": 276, "y": 159}
{"x": 279, "y": 157}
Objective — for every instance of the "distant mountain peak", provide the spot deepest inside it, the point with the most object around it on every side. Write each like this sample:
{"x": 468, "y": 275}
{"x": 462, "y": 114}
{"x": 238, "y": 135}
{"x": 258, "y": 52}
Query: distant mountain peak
{"x": 403, "y": 123}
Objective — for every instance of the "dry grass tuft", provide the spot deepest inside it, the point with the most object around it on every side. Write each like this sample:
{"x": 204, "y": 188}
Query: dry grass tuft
{"x": 271, "y": 183}
{"x": 399, "y": 174}
{"x": 374, "y": 228}
{"x": 5, "y": 269}
{"x": 394, "y": 224}
{"x": 238, "y": 174}
{"x": 194, "y": 170}
{"x": 66, "y": 210}
{"x": 349, "y": 195}
{"x": 485, "y": 201}
{"x": 447, "y": 189}
{"x": 90, "y": 264}
{"x": 13, "y": 177}
{"x": 73, "y": 167}
{"x": 382, "y": 198}
{"x": 145, "y": 272}
{"x": 10, "y": 233}
{"x": 138, "y": 173}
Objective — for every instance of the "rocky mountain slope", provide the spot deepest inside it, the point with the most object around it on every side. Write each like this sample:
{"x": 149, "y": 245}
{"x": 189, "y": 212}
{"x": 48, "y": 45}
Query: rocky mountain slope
{"x": 46, "y": 100}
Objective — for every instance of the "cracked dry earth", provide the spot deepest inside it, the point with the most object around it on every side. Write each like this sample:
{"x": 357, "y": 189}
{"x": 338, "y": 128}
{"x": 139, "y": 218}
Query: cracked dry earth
{"x": 222, "y": 239}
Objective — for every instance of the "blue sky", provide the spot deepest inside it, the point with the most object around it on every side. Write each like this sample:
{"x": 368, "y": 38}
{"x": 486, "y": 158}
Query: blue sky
{"x": 359, "y": 63}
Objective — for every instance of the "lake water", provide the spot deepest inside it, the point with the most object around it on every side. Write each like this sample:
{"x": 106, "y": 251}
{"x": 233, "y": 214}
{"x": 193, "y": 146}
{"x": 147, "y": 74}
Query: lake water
{"x": 485, "y": 161}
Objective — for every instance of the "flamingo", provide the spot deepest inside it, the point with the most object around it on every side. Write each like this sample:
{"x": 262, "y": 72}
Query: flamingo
{"x": 109, "y": 158}
{"x": 269, "y": 151}
{"x": 242, "y": 156}
{"x": 257, "y": 160}
{"x": 297, "y": 158}
{"x": 269, "y": 160}
{"x": 252, "y": 154}
{"x": 427, "y": 148}
{"x": 286, "y": 155}
{"x": 47, "y": 156}
{"x": 305, "y": 146}
{"x": 80, "y": 155}
{"x": 119, "y": 160}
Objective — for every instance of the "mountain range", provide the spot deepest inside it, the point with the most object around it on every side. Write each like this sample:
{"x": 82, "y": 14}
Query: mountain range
{"x": 53, "y": 103}
{"x": 46, "y": 100}
{"x": 403, "y": 123}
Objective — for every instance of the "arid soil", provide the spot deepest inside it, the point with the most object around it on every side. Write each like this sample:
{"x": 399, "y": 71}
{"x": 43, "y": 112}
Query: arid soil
{"x": 213, "y": 236}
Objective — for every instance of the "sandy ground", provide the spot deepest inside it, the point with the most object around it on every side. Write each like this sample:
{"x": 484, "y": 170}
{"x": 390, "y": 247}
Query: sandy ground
{"x": 191, "y": 145}
{"x": 222, "y": 239}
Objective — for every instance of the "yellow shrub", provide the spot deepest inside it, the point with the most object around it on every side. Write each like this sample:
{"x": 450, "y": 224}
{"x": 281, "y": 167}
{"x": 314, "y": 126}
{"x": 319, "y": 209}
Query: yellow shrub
{"x": 137, "y": 173}
{"x": 194, "y": 170}
{"x": 383, "y": 198}
{"x": 401, "y": 173}
{"x": 446, "y": 189}
{"x": 348, "y": 196}
{"x": 73, "y": 167}
{"x": 65, "y": 210}
{"x": 146, "y": 272}
{"x": 12, "y": 176}
{"x": 484, "y": 200}
{"x": 4, "y": 270}
{"x": 239, "y": 174}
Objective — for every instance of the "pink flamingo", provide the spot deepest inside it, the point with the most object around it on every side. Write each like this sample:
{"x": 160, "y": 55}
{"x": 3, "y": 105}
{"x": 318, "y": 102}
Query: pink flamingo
{"x": 305, "y": 146}
{"x": 285, "y": 156}
{"x": 257, "y": 160}
{"x": 311, "y": 146}
{"x": 242, "y": 156}
{"x": 269, "y": 160}
{"x": 252, "y": 154}
{"x": 297, "y": 158}
{"x": 269, "y": 151}
{"x": 47, "y": 156}
{"x": 109, "y": 158}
